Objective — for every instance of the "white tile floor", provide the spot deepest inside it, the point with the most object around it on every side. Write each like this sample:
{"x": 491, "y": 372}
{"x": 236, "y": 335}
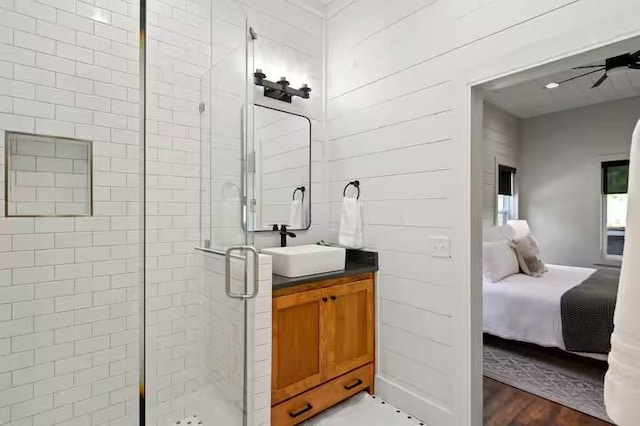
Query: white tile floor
{"x": 360, "y": 410}
{"x": 209, "y": 407}
{"x": 363, "y": 410}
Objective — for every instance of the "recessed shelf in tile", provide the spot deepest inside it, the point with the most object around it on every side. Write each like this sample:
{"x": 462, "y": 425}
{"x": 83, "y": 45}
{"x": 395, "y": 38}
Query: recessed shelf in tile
{"x": 47, "y": 176}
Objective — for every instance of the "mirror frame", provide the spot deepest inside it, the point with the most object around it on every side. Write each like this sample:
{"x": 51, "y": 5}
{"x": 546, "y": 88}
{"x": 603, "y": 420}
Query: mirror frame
{"x": 308, "y": 190}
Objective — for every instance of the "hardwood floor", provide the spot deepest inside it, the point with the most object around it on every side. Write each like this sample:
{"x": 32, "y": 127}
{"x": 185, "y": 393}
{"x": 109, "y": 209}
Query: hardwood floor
{"x": 507, "y": 406}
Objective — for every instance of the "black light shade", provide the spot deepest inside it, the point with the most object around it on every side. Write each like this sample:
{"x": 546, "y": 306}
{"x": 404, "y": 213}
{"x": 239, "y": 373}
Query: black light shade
{"x": 505, "y": 180}
{"x": 615, "y": 177}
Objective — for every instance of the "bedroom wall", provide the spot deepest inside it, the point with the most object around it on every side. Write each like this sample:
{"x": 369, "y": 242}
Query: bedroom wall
{"x": 398, "y": 75}
{"x": 501, "y": 135}
{"x": 560, "y": 176}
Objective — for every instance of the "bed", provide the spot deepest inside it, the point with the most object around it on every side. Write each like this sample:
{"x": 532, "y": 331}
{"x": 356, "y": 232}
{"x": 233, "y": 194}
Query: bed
{"x": 528, "y": 309}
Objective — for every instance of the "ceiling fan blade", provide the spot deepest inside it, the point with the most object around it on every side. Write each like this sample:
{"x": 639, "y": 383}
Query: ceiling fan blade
{"x": 588, "y": 66}
{"x": 600, "y": 81}
{"x": 581, "y": 75}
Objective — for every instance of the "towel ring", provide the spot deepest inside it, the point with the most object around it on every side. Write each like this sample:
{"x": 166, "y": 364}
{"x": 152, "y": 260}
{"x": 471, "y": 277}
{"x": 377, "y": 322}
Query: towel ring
{"x": 301, "y": 189}
{"x": 356, "y": 184}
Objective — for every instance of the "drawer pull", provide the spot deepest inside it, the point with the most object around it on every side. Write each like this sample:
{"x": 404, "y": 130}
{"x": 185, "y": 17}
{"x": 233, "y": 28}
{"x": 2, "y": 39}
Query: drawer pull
{"x": 355, "y": 385}
{"x": 309, "y": 407}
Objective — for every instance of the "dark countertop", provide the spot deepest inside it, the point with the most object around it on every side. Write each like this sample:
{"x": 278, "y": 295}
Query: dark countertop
{"x": 357, "y": 262}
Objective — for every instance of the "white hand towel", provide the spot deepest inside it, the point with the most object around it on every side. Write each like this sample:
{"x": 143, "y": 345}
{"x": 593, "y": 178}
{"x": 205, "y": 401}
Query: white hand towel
{"x": 297, "y": 215}
{"x": 622, "y": 382}
{"x": 351, "y": 223}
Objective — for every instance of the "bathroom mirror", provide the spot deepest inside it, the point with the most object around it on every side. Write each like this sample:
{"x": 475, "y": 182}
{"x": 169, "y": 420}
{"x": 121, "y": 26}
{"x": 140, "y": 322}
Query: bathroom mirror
{"x": 282, "y": 167}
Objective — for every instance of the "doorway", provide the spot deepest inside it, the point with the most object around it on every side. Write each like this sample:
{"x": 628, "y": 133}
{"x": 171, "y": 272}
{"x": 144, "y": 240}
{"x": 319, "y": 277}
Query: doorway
{"x": 498, "y": 182}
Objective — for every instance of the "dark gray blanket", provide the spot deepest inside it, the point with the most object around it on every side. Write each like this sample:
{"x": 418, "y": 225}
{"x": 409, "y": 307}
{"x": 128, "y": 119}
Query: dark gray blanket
{"x": 587, "y": 313}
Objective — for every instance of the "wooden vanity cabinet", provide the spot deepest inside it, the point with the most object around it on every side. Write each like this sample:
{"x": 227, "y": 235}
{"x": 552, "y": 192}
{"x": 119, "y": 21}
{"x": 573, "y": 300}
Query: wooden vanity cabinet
{"x": 350, "y": 327}
{"x": 323, "y": 346}
{"x": 299, "y": 343}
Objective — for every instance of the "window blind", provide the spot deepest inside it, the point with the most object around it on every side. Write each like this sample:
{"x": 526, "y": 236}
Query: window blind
{"x": 505, "y": 180}
{"x": 615, "y": 177}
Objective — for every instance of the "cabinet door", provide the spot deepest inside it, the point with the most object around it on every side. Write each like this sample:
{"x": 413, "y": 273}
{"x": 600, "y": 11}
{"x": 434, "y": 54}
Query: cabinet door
{"x": 350, "y": 326}
{"x": 298, "y": 344}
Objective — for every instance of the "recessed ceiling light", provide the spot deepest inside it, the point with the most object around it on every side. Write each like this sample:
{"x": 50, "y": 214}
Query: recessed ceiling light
{"x": 551, "y": 85}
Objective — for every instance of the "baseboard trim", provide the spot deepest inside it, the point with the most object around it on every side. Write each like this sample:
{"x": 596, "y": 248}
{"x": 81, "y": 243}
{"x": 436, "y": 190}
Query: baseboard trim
{"x": 429, "y": 412}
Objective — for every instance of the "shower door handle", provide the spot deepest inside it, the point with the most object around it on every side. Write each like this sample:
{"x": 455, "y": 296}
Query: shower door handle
{"x": 253, "y": 292}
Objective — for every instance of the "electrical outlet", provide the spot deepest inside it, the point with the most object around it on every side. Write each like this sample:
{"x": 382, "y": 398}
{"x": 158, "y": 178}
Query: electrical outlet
{"x": 440, "y": 247}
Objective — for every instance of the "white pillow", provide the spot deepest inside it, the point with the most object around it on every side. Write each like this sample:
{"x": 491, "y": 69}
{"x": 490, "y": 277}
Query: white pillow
{"x": 519, "y": 229}
{"x": 494, "y": 234}
{"x": 499, "y": 261}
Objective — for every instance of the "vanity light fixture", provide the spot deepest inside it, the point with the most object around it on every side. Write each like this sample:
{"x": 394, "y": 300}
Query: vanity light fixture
{"x": 279, "y": 90}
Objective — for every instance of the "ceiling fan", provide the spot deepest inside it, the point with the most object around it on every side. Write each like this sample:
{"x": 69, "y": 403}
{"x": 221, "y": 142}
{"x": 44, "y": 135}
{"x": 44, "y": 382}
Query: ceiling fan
{"x": 628, "y": 60}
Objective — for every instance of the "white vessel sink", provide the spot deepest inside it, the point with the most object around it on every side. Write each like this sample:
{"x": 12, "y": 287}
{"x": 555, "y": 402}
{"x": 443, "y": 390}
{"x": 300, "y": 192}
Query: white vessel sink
{"x": 298, "y": 261}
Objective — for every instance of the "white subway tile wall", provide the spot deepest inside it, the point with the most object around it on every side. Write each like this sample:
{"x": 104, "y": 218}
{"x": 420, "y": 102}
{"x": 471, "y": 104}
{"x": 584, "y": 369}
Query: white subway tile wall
{"x": 48, "y": 176}
{"x": 178, "y": 56}
{"x": 70, "y": 287}
{"x": 223, "y": 337}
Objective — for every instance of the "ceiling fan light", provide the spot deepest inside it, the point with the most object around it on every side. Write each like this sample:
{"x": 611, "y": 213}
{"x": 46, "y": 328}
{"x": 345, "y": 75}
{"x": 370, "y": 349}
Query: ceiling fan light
{"x": 552, "y": 85}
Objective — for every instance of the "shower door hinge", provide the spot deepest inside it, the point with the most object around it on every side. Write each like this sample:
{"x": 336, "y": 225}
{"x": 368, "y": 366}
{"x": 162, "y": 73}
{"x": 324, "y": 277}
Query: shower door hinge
{"x": 202, "y": 107}
{"x": 252, "y": 205}
{"x": 253, "y": 33}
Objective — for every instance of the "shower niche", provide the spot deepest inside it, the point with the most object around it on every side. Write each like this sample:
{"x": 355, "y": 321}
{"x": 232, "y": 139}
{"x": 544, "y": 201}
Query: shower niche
{"x": 47, "y": 176}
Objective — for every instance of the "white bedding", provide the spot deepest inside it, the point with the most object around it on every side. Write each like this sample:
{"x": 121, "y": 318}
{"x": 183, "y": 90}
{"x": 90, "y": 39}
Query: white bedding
{"x": 527, "y": 309}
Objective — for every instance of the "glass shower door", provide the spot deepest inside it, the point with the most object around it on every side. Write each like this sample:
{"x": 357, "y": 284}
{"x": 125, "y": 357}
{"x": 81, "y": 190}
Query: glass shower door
{"x": 200, "y": 263}
{"x": 230, "y": 281}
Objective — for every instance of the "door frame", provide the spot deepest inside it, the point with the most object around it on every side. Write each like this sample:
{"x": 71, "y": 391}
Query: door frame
{"x": 473, "y": 98}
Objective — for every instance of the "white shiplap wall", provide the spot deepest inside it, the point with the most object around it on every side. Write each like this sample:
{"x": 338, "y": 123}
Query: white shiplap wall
{"x": 397, "y": 120}
{"x": 501, "y": 136}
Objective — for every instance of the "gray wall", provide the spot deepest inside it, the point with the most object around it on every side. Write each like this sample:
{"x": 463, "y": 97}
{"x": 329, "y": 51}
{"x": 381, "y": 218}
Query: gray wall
{"x": 501, "y": 135}
{"x": 559, "y": 176}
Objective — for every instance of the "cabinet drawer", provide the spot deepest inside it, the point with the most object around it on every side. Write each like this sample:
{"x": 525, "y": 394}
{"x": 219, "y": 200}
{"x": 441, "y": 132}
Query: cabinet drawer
{"x": 313, "y": 402}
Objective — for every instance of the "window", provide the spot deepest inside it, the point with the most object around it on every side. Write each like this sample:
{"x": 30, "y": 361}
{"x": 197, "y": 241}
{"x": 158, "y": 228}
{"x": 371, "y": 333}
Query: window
{"x": 615, "y": 181}
{"x": 506, "y": 202}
